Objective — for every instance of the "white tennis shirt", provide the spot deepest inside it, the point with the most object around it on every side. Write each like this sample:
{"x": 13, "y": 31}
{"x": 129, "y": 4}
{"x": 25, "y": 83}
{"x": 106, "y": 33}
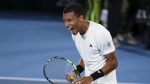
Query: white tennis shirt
{"x": 92, "y": 46}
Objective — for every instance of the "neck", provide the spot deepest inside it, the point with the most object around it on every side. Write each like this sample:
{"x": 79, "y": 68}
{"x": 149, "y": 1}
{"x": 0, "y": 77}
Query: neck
{"x": 84, "y": 27}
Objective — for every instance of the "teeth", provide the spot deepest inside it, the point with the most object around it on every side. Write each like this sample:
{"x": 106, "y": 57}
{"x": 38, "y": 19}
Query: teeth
{"x": 69, "y": 28}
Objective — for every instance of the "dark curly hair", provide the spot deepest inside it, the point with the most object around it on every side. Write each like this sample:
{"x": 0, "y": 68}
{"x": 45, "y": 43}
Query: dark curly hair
{"x": 76, "y": 8}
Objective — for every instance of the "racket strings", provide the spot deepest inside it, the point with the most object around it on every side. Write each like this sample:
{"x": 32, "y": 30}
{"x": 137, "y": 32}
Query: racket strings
{"x": 57, "y": 69}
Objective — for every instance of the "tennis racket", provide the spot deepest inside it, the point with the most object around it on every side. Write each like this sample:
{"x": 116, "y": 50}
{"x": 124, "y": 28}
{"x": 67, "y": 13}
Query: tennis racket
{"x": 56, "y": 68}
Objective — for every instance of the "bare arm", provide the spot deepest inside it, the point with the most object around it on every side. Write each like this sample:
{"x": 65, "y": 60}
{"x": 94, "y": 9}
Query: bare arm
{"x": 81, "y": 62}
{"x": 111, "y": 63}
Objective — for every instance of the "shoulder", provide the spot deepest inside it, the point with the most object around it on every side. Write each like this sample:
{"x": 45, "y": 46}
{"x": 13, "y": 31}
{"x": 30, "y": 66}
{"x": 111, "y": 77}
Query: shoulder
{"x": 98, "y": 29}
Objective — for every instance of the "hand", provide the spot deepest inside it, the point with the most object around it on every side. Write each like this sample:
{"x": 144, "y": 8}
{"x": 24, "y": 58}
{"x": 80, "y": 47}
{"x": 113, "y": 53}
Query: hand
{"x": 83, "y": 80}
{"x": 71, "y": 76}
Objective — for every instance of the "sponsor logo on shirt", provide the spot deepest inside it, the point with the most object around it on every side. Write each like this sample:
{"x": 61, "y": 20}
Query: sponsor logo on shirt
{"x": 109, "y": 44}
{"x": 90, "y": 45}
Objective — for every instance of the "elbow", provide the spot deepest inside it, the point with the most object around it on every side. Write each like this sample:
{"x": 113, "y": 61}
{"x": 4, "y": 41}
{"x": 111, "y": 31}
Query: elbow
{"x": 115, "y": 64}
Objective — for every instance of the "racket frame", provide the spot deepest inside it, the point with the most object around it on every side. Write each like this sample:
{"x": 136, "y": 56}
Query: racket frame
{"x": 59, "y": 57}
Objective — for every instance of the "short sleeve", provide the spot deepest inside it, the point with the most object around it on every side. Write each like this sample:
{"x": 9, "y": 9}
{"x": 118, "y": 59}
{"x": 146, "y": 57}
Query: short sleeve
{"x": 106, "y": 43}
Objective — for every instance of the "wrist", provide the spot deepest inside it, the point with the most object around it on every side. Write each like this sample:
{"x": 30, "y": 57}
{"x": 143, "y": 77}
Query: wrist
{"x": 80, "y": 69}
{"x": 97, "y": 74}
{"x": 91, "y": 77}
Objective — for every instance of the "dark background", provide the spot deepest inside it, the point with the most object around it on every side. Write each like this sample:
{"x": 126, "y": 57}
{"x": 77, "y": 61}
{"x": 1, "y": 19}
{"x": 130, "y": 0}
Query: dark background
{"x": 54, "y": 6}
{"x": 34, "y": 5}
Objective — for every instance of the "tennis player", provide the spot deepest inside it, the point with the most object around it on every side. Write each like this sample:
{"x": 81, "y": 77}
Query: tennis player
{"x": 95, "y": 46}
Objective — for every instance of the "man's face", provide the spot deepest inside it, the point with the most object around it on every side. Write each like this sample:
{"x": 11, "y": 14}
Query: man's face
{"x": 72, "y": 22}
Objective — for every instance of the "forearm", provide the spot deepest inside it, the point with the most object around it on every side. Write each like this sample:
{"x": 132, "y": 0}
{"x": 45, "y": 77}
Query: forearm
{"x": 81, "y": 62}
{"x": 110, "y": 66}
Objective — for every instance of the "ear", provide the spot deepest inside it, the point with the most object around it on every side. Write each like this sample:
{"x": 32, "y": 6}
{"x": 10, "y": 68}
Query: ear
{"x": 81, "y": 18}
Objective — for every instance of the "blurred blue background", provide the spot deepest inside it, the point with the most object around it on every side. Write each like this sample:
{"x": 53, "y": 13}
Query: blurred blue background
{"x": 31, "y": 31}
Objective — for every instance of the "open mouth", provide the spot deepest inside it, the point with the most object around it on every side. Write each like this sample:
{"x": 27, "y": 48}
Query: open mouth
{"x": 71, "y": 29}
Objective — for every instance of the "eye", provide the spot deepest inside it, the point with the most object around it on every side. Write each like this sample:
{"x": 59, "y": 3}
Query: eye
{"x": 69, "y": 20}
